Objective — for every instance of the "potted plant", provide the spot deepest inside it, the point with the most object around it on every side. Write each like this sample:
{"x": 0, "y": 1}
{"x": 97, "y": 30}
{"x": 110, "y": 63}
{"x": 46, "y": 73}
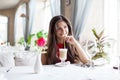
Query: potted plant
{"x": 101, "y": 42}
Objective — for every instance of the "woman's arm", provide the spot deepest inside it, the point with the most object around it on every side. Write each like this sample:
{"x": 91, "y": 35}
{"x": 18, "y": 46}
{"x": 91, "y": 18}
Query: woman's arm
{"x": 80, "y": 52}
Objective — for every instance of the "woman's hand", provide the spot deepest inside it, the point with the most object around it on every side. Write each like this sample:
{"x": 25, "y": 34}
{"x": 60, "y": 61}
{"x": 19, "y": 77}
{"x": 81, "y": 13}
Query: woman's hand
{"x": 70, "y": 39}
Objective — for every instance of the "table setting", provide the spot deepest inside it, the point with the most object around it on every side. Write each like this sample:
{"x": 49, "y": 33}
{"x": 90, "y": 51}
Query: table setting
{"x": 63, "y": 70}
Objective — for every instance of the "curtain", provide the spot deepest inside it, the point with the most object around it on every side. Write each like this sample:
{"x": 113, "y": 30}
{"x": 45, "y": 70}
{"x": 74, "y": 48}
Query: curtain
{"x": 20, "y": 22}
{"x": 30, "y": 9}
{"x": 55, "y": 7}
{"x": 32, "y": 14}
{"x": 24, "y": 20}
{"x": 81, "y": 8}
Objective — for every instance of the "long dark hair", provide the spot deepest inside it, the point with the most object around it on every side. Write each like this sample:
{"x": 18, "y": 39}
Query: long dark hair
{"x": 52, "y": 41}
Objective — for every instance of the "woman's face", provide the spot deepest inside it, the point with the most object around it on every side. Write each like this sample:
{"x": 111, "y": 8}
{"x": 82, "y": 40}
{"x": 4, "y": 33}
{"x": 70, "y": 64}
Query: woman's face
{"x": 61, "y": 31}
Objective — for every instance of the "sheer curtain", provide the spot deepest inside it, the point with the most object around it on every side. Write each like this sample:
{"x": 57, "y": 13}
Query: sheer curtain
{"x": 81, "y": 8}
{"x": 20, "y": 23}
{"x": 55, "y": 7}
{"x": 32, "y": 6}
{"x": 42, "y": 16}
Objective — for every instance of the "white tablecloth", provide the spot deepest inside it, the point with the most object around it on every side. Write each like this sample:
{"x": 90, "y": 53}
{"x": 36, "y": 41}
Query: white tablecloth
{"x": 69, "y": 72}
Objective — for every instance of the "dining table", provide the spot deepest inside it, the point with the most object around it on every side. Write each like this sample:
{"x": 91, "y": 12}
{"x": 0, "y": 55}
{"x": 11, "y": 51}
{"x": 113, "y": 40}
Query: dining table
{"x": 57, "y": 72}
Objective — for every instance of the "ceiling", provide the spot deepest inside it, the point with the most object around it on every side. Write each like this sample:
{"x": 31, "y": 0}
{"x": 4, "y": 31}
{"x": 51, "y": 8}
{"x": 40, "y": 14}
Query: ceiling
{"x": 6, "y": 4}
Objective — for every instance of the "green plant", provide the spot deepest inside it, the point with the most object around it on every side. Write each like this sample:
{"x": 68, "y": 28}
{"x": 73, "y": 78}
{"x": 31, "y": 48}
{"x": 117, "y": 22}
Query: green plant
{"x": 41, "y": 34}
{"x": 101, "y": 42}
{"x": 24, "y": 43}
{"x": 22, "y": 40}
{"x": 30, "y": 38}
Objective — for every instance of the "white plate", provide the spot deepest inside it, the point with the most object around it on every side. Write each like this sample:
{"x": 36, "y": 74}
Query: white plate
{"x": 62, "y": 64}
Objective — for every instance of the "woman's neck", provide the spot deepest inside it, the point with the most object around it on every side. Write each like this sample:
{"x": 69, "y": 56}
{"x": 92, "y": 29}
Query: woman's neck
{"x": 60, "y": 41}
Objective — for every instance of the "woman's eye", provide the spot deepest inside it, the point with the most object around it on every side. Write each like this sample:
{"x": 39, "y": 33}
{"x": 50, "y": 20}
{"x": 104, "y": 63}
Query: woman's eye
{"x": 65, "y": 26}
{"x": 58, "y": 28}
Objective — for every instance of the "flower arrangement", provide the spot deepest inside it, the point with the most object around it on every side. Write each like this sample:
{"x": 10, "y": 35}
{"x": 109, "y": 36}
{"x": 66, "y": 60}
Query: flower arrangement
{"x": 41, "y": 40}
{"x": 38, "y": 39}
{"x": 40, "y": 43}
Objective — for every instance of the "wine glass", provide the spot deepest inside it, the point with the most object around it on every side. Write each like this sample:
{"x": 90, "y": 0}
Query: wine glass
{"x": 8, "y": 43}
{"x": 63, "y": 55}
{"x": 90, "y": 63}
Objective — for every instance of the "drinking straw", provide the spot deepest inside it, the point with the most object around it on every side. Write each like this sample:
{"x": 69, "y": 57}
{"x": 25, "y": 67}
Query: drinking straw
{"x": 64, "y": 44}
{"x": 64, "y": 41}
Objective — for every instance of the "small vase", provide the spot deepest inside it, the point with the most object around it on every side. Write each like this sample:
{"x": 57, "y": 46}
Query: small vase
{"x": 38, "y": 64}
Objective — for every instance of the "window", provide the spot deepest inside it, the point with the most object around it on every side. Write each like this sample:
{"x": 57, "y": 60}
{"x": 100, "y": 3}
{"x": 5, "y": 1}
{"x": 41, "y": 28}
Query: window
{"x": 40, "y": 15}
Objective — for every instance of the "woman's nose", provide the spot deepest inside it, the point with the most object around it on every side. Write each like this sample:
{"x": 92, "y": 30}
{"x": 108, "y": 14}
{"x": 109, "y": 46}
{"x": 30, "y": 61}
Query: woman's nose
{"x": 63, "y": 31}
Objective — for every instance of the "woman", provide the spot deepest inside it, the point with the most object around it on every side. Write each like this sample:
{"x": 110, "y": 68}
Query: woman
{"x": 60, "y": 34}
